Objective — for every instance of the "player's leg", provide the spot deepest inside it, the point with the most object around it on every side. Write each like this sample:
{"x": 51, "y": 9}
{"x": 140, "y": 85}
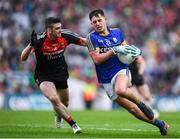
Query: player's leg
{"x": 132, "y": 108}
{"x": 142, "y": 88}
{"x": 134, "y": 89}
{"x": 147, "y": 97}
{"x": 49, "y": 90}
{"x": 64, "y": 97}
{"x": 144, "y": 91}
{"x": 120, "y": 83}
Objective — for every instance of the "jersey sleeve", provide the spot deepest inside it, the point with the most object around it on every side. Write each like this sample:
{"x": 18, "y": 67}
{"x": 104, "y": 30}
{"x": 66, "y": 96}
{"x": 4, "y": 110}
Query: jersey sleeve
{"x": 71, "y": 37}
{"x": 91, "y": 43}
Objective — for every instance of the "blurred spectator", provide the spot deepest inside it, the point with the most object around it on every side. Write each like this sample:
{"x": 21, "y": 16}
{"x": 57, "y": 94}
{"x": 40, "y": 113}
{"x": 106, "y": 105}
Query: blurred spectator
{"x": 89, "y": 93}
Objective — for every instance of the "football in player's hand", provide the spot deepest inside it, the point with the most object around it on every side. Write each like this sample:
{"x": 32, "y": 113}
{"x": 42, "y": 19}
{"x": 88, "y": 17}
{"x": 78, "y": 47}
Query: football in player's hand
{"x": 129, "y": 55}
{"x": 126, "y": 58}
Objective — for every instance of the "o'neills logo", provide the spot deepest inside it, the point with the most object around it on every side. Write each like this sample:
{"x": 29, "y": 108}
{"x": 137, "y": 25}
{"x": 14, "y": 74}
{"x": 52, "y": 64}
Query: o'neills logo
{"x": 53, "y": 53}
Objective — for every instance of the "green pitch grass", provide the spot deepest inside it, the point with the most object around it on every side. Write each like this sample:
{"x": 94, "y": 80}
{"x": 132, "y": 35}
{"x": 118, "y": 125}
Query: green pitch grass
{"x": 95, "y": 124}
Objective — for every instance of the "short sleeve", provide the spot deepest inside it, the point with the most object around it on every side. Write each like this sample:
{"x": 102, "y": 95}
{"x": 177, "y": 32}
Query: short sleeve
{"x": 90, "y": 42}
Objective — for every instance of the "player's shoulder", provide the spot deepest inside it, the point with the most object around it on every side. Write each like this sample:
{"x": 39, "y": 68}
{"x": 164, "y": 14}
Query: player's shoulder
{"x": 115, "y": 29}
{"x": 68, "y": 32}
{"x": 117, "y": 32}
{"x": 92, "y": 34}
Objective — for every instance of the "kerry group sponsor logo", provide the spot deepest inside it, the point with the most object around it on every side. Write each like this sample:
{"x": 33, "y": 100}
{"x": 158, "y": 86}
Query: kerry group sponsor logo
{"x": 104, "y": 49}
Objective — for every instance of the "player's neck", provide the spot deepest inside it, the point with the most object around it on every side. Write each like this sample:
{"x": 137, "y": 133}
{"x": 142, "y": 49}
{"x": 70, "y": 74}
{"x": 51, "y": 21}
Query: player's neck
{"x": 104, "y": 33}
{"x": 51, "y": 37}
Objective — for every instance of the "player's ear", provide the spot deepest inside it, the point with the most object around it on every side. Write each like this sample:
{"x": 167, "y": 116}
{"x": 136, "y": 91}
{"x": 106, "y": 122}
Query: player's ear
{"x": 105, "y": 18}
{"x": 49, "y": 30}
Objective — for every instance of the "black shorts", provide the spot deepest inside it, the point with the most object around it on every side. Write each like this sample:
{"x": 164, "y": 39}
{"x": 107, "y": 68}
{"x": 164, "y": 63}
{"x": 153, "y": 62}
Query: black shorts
{"x": 59, "y": 83}
{"x": 137, "y": 80}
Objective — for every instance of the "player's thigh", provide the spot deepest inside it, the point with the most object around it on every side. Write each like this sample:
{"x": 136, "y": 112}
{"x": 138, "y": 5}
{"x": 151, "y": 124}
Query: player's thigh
{"x": 48, "y": 89}
{"x": 121, "y": 83}
{"x": 64, "y": 96}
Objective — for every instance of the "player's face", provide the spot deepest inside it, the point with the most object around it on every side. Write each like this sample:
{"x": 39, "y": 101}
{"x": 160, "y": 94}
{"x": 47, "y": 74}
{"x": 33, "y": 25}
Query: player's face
{"x": 99, "y": 23}
{"x": 56, "y": 30}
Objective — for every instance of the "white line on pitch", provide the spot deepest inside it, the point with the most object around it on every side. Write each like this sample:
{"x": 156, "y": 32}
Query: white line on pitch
{"x": 83, "y": 126}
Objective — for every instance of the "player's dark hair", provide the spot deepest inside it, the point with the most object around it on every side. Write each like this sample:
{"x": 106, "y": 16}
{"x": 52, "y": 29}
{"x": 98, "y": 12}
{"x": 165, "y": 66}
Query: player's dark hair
{"x": 50, "y": 21}
{"x": 96, "y": 13}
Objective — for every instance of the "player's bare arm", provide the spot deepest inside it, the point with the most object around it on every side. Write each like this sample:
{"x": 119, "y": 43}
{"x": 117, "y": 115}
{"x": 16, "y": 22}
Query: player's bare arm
{"x": 26, "y": 52}
{"x": 98, "y": 58}
{"x": 142, "y": 65}
{"x": 82, "y": 41}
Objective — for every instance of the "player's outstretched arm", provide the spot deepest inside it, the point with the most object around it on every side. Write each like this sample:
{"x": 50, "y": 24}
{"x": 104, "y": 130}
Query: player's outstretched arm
{"x": 26, "y": 52}
{"x": 82, "y": 41}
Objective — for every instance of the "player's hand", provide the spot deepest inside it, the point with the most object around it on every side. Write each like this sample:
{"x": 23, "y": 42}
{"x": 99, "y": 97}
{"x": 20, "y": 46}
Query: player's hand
{"x": 118, "y": 49}
{"x": 125, "y": 49}
{"x": 133, "y": 50}
{"x": 33, "y": 38}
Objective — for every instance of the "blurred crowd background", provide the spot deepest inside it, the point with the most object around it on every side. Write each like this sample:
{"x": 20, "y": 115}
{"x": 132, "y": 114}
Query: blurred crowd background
{"x": 152, "y": 25}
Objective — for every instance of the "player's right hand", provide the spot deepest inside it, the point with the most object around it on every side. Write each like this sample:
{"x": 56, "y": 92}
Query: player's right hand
{"x": 33, "y": 38}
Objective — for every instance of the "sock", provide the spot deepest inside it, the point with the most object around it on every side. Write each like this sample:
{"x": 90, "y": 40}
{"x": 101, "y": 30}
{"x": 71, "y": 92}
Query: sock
{"x": 158, "y": 123}
{"x": 70, "y": 121}
{"x": 141, "y": 105}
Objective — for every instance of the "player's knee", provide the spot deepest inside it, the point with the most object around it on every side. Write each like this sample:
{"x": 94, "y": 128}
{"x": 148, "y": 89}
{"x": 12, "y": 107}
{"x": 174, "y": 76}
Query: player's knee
{"x": 147, "y": 98}
{"x": 54, "y": 99}
{"x": 120, "y": 91}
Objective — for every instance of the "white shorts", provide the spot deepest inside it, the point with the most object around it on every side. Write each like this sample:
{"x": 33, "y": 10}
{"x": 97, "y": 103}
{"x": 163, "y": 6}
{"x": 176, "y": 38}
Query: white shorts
{"x": 109, "y": 87}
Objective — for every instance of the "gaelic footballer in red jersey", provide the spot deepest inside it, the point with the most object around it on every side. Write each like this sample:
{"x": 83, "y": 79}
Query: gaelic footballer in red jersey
{"x": 49, "y": 54}
{"x": 51, "y": 73}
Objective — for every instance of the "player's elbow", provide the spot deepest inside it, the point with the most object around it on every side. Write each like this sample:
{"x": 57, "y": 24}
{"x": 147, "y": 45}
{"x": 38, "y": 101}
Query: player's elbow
{"x": 97, "y": 59}
{"x": 97, "y": 62}
{"x": 23, "y": 58}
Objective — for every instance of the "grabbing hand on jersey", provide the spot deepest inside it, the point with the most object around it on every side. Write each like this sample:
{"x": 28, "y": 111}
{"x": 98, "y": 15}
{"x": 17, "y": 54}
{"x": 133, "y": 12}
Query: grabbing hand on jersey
{"x": 33, "y": 38}
{"x": 127, "y": 49}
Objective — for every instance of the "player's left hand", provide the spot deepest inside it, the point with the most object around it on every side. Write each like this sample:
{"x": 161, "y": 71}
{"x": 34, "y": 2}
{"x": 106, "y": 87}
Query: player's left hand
{"x": 120, "y": 49}
{"x": 33, "y": 38}
{"x": 133, "y": 50}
